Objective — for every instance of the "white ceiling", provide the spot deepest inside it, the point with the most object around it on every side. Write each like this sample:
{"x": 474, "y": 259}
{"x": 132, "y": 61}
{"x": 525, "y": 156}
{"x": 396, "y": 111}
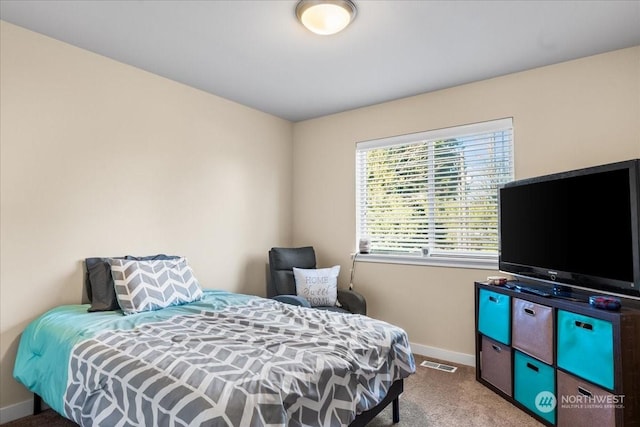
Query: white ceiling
{"x": 256, "y": 52}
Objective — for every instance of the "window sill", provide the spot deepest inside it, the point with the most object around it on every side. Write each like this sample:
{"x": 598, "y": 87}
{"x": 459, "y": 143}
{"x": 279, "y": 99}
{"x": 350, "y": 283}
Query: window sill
{"x": 433, "y": 261}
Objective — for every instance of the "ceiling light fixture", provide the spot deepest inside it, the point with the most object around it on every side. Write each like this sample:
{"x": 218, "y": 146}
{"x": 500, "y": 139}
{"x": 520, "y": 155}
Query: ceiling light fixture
{"x": 325, "y": 17}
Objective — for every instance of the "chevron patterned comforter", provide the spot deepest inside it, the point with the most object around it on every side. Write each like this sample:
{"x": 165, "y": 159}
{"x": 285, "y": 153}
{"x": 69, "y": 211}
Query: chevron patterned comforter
{"x": 227, "y": 360}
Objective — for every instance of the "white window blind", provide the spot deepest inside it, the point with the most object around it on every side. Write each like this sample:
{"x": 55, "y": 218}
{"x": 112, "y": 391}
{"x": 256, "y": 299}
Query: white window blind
{"x": 436, "y": 190}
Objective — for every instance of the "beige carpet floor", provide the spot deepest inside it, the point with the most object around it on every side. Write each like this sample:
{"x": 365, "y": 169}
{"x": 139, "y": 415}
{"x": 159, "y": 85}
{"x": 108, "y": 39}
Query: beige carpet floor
{"x": 431, "y": 398}
{"x": 435, "y": 398}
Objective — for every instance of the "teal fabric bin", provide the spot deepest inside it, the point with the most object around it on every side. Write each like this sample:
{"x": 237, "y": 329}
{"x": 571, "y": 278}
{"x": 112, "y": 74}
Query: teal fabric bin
{"x": 494, "y": 316}
{"x": 585, "y": 347}
{"x": 534, "y": 386}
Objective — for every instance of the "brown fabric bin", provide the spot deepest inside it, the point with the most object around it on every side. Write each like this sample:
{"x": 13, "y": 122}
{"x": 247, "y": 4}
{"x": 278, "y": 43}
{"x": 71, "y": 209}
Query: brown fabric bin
{"x": 581, "y": 403}
{"x": 533, "y": 329}
{"x": 495, "y": 364}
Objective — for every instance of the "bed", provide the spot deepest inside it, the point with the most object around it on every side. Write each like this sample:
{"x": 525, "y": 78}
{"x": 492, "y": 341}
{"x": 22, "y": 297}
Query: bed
{"x": 223, "y": 360}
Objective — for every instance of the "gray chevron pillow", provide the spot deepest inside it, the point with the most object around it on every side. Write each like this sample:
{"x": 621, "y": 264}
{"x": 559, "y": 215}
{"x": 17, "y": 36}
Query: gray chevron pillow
{"x": 152, "y": 285}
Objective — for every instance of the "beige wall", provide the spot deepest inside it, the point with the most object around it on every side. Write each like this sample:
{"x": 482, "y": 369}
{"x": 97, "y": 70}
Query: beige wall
{"x": 99, "y": 158}
{"x": 575, "y": 114}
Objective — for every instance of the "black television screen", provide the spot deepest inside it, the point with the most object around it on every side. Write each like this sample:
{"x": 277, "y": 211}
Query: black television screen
{"x": 578, "y": 228}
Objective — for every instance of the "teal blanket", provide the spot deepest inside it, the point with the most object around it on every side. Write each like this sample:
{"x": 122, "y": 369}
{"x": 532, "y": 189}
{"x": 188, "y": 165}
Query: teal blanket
{"x": 42, "y": 361}
{"x": 227, "y": 360}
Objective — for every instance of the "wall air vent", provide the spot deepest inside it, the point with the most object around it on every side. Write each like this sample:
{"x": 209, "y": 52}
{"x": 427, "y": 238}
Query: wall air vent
{"x": 438, "y": 366}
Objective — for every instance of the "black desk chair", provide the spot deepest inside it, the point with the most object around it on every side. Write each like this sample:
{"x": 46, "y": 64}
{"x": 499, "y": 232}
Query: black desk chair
{"x": 282, "y": 286}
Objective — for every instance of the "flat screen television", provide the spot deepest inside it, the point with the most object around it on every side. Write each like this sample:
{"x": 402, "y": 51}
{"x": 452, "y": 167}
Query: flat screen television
{"x": 576, "y": 229}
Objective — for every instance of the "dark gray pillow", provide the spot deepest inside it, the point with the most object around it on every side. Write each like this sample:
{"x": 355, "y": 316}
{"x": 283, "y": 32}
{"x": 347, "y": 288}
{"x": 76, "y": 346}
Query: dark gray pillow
{"x": 100, "y": 285}
{"x": 100, "y": 288}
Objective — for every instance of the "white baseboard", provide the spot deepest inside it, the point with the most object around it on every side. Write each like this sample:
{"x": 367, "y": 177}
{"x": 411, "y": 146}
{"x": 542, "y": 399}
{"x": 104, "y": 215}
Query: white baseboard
{"x": 15, "y": 411}
{"x": 442, "y": 354}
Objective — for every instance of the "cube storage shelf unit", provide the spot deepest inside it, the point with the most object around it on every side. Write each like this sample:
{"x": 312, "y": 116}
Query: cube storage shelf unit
{"x": 564, "y": 362}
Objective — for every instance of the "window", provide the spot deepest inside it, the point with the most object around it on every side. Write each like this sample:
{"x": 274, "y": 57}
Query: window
{"x": 432, "y": 197}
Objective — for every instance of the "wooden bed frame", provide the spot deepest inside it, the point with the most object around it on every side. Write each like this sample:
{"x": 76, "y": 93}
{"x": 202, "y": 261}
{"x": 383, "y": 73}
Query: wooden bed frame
{"x": 393, "y": 396}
